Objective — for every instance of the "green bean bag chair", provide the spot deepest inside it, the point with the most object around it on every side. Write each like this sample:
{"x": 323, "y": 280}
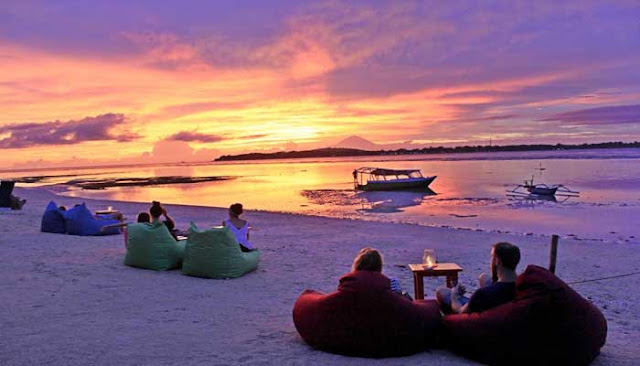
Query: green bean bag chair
{"x": 215, "y": 253}
{"x": 151, "y": 246}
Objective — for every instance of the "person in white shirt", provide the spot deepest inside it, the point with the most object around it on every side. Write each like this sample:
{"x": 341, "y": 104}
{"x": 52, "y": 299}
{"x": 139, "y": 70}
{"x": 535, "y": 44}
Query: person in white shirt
{"x": 239, "y": 227}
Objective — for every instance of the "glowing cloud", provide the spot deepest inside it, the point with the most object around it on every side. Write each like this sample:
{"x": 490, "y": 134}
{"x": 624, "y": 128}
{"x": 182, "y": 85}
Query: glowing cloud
{"x": 218, "y": 76}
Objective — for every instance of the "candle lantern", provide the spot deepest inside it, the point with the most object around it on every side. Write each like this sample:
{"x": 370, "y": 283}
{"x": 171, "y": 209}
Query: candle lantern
{"x": 429, "y": 258}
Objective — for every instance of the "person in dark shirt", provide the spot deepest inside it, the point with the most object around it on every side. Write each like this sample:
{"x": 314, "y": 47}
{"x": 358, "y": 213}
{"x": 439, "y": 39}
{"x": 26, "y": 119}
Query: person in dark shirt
{"x": 494, "y": 291}
{"x": 157, "y": 211}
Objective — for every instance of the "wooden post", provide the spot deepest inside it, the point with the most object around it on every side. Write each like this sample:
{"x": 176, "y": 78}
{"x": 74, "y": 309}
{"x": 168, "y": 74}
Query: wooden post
{"x": 553, "y": 254}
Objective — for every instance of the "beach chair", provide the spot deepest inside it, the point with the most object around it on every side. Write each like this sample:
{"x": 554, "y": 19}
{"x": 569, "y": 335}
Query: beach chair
{"x": 6, "y": 188}
{"x": 215, "y": 253}
{"x": 151, "y": 246}
{"x": 548, "y": 323}
{"x": 364, "y": 318}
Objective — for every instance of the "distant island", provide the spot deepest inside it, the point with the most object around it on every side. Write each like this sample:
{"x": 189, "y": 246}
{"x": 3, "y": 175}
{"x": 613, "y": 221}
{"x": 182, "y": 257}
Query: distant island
{"x": 340, "y": 152}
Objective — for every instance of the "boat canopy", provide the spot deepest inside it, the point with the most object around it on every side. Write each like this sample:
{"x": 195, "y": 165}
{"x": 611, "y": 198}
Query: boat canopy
{"x": 380, "y": 171}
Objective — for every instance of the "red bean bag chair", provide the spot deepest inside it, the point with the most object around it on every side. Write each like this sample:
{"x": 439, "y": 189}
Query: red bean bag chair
{"x": 365, "y": 318}
{"x": 547, "y": 324}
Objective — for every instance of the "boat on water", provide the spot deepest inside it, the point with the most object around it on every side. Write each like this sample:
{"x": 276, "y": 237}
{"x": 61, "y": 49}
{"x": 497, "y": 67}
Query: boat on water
{"x": 381, "y": 179}
{"x": 541, "y": 189}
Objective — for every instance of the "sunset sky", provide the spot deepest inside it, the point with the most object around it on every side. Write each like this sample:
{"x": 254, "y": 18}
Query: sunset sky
{"x": 134, "y": 81}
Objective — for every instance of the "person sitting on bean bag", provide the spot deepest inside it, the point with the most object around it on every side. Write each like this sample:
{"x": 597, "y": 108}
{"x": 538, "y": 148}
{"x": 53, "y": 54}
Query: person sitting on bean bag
{"x": 239, "y": 227}
{"x": 547, "y": 323}
{"x": 151, "y": 246}
{"x": 215, "y": 253}
{"x": 364, "y": 317}
{"x": 500, "y": 289}
{"x": 142, "y": 217}
{"x": 157, "y": 211}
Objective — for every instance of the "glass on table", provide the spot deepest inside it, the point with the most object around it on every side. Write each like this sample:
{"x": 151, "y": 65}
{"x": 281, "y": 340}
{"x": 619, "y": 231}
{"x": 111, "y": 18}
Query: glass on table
{"x": 429, "y": 258}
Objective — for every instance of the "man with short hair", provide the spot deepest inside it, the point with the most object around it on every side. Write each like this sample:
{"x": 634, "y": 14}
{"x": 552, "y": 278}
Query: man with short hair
{"x": 498, "y": 290}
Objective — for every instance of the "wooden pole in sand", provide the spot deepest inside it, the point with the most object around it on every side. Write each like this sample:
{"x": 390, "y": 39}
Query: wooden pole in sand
{"x": 554, "y": 253}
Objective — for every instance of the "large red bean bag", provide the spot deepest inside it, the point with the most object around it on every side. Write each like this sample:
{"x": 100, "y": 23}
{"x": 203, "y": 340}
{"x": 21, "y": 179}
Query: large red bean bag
{"x": 365, "y": 318}
{"x": 547, "y": 324}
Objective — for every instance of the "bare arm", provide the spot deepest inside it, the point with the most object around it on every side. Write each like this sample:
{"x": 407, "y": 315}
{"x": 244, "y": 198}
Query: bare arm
{"x": 456, "y": 305}
{"x": 169, "y": 219}
{"x": 122, "y": 224}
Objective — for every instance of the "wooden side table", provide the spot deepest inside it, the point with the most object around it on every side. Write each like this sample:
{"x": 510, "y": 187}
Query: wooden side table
{"x": 450, "y": 270}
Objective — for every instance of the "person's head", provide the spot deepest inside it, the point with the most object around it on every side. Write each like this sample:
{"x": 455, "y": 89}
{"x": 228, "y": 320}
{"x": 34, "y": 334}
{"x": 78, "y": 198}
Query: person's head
{"x": 62, "y": 208}
{"x": 144, "y": 217}
{"x": 504, "y": 255}
{"x": 235, "y": 210}
{"x": 368, "y": 259}
{"x": 156, "y": 209}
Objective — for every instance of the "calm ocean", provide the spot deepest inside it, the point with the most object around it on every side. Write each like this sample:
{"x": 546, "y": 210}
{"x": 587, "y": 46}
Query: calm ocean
{"x": 470, "y": 190}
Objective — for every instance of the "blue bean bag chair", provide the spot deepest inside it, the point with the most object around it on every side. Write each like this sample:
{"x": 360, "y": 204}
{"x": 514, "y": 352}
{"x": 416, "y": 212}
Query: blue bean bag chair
{"x": 365, "y": 318}
{"x": 151, "y": 246}
{"x": 53, "y": 220}
{"x": 80, "y": 221}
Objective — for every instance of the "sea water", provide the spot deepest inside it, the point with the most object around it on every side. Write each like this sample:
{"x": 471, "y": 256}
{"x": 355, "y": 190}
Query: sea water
{"x": 470, "y": 191}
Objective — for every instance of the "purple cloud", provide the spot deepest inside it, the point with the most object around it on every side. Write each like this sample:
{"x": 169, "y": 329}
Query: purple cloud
{"x": 71, "y": 132}
{"x": 192, "y": 136}
{"x": 623, "y": 114}
{"x": 253, "y": 137}
{"x": 192, "y": 108}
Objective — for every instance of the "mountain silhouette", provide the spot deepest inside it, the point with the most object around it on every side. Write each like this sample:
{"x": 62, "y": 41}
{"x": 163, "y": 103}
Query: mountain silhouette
{"x": 357, "y": 142}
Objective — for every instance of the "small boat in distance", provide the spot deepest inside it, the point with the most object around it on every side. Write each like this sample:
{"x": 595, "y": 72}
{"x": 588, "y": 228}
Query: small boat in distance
{"x": 380, "y": 179}
{"x": 541, "y": 189}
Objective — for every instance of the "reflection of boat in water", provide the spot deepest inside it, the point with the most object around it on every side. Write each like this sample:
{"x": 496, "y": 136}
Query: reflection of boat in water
{"x": 533, "y": 198}
{"x": 380, "y": 179}
{"x": 390, "y": 202}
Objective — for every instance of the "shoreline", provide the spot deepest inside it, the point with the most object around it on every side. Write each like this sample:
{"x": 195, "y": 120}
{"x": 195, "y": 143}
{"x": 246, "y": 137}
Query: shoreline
{"x": 350, "y": 218}
{"x": 73, "y": 299}
{"x": 446, "y": 220}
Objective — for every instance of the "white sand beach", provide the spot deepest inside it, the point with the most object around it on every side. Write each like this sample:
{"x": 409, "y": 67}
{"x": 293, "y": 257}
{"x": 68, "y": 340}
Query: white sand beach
{"x": 69, "y": 300}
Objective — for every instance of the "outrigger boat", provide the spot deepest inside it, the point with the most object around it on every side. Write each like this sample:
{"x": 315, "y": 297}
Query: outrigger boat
{"x": 542, "y": 190}
{"x": 380, "y": 179}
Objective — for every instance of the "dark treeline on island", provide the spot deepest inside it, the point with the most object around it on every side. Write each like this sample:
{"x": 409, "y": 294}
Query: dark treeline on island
{"x": 340, "y": 152}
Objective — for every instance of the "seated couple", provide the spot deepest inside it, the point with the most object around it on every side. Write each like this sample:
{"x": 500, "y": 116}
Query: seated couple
{"x": 156, "y": 211}
{"x": 494, "y": 291}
